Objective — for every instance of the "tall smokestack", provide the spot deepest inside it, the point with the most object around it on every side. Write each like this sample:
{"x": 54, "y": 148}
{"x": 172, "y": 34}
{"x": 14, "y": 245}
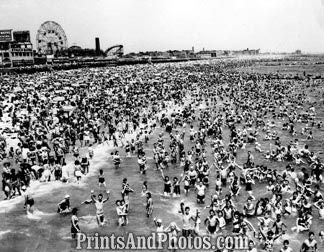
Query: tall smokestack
{"x": 97, "y": 47}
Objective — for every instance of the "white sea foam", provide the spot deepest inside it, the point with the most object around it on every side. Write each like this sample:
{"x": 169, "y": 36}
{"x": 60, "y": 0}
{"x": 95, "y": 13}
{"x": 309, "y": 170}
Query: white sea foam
{"x": 38, "y": 188}
{"x": 35, "y": 189}
{"x": 37, "y": 215}
{"x": 176, "y": 207}
{"x": 88, "y": 221}
{"x": 2, "y": 233}
{"x": 67, "y": 238}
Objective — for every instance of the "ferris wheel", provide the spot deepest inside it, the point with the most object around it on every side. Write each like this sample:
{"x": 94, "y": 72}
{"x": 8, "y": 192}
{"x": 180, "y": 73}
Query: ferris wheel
{"x": 50, "y": 38}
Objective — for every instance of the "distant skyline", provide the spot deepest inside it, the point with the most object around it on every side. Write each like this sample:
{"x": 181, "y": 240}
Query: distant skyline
{"x": 150, "y": 25}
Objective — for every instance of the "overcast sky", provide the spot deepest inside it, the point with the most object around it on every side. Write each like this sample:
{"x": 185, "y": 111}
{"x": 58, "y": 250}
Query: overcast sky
{"x": 141, "y": 25}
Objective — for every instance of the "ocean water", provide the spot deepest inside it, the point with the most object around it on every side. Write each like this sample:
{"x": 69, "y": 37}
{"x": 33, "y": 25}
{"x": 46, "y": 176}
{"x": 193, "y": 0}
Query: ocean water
{"x": 48, "y": 231}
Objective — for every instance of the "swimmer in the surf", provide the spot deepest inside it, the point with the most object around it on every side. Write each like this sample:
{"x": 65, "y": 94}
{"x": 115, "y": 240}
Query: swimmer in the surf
{"x": 64, "y": 205}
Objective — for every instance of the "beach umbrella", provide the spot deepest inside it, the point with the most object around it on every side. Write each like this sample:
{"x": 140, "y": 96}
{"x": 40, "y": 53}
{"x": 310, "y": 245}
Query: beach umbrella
{"x": 36, "y": 167}
{"x": 60, "y": 91}
{"x": 68, "y": 108}
{"x": 17, "y": 89}
{"x": 43, "y": 98}
{"x": 58, "y": 98}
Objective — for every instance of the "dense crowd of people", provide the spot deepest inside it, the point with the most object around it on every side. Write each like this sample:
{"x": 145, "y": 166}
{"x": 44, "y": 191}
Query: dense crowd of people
{"x": 228, "y": 114}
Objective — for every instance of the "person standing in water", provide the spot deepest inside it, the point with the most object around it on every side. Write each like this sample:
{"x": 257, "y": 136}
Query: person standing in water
{"x": 99, "y": 207}
{"x": 75, "y": 229}
{"x": 101, "y": 179}
{"x": 186, "y": 218}
{"x": 310, "y": 244}
{"x": 149, "y": 204}
{"x": 29, "y": 201}
{"x": 167, "y": 185}
{"x": 125, "y": 193}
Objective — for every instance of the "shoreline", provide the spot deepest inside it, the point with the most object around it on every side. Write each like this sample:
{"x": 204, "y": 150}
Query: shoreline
{"x": 38, "y": 189}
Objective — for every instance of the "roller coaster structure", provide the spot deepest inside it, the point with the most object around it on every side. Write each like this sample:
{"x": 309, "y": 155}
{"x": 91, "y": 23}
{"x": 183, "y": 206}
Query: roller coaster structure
{"x": 116, "y": 50}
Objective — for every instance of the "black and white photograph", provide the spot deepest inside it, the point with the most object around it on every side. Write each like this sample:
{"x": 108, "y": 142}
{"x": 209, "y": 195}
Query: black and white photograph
{"x": 162, "y": 125}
